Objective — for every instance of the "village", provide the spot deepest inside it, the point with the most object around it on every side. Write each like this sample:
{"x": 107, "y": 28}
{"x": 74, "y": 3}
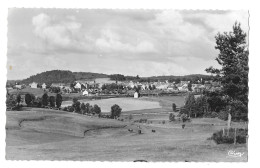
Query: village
{"x": 105, "y": 86}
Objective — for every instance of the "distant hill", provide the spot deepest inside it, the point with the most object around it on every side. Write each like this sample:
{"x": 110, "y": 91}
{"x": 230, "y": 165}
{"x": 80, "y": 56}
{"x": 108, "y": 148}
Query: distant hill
{"x": 185, "y": 77}
{"x": 88, "y": 75}
{"x": 62, "y": 76}
{"x": 48, "y": 77}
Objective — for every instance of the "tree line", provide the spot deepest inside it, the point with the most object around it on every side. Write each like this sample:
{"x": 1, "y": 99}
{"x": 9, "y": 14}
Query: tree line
{"x": 233, "y": 76}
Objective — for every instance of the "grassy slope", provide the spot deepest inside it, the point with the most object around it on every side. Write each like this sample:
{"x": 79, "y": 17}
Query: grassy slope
{"x": 59, "y": 137}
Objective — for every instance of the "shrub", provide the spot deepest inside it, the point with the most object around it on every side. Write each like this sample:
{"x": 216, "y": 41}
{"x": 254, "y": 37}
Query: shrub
{"x": 223, "y": 115}
{"x": 45, "y": 99}
{"x": 52, "y": 101}
{"x": 115, "y": 111}
{"x": 211, "y": 115}
{"x": 76, "y": 106}
{"x": 28, "y": 99}
{"x": 70, "y": 109}
{"x": 241, "y": 136}
{"x": 96, "y": 109}
{"x": 58, "y": 100}
{"x": 10, "y": 102}
{"x": 83, "y": 108}
{"x": 184, "y": 118}
{"x": 163, "y": 122}
{"x": 173, "y": 107}
{"x": 172, "y": 117}
{"x": 18, "y": 99}
{"x": 214, "y": 114}
{"x": 130, "y": 117}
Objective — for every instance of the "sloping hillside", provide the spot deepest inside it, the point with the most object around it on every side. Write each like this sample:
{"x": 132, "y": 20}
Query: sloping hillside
{"x": 88, "y": 75}
{"x": 59, "y": 122}
{"x": 55, "y": 76}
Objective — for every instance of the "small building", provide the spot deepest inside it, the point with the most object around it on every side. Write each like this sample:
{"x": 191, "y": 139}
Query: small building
{"x": 85, "y": 93}
{"x": 136, "y": 95}
{"x": 33, "y": 85}
{"x": 44, "y": 86}
{"x": 77, "y": 86}
{"x": 18, "y": 86}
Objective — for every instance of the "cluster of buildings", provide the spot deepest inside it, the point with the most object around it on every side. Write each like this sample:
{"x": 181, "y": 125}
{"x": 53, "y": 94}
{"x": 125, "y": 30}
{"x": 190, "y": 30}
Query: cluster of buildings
{"x": 89, "y": 87}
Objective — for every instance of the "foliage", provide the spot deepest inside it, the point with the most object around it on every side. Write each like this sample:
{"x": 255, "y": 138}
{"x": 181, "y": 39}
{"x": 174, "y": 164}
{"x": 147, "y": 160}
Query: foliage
{"x": 54, "y": 89}
{"x": 171, "y": 117}
{"x": 96, "y": 109}
{"x": 52, "y": 101}
{"x": 189, "y": 86}
{"x": 216, "y": 100}
{"x": 201, "y": 106}
{"x": 117, "y": 77}
{"x": 112, "y": 87}
{"x": 37, "y": 102}
{"x": 130, "y": 117}
{"x": 76, "y": 106}
{"x": 83, "y": 108}
{"x": 70, "y": 109}
{"x": 223, "y": 115}
{"x": 163, "y": 122}
{"x": 65, "y": 109}
{"x": 87, "y": 110}
{"x": 88, "y": 75}
{"x": 11, "y": 101}
{"x": 58, "y": 100}
{"x": 116, "y": 111}
{"x": 241, "y": 136}
{"x": 49, "y": 77}
{"x": 184, "y": 117}
{"x": 173, "y": 107}
{"x": 45, "y": 99}
{"x": 28, "y": 99}
{"x": 233, "y": 74}
{"x": 210, "y": 114}
{"x": 18, "y": 99}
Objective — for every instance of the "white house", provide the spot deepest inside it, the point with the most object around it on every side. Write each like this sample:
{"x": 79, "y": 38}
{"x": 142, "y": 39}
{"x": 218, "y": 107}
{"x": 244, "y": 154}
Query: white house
{"x": 18, "y": 86}
{"x": 33, "y": 85}
{"x": 135, "y": 95}
{"x": 77, "y": 86}
{"x": 85, "y": 93}
{"x": 43, "y": 86}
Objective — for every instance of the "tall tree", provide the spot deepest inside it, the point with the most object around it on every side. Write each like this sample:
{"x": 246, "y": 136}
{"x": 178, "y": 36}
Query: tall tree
{"x": 52, "y": 101}
{"x": 190, "y": 103}
{"x": 18, "y": 99}
{"x": 97, "y": 109}
{"x": 58, "y": 100}
{"x": 45, "y": 99}
{"x": 28, "y": 99}
{"x": 115, "y": 111}
{"x": 233, "y": 74}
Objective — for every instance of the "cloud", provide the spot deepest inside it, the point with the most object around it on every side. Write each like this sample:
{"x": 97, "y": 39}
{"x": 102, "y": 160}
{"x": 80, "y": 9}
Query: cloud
{"x": 110, "y": 41}
{"x": 144, "y": 42}
{"x": 57, "y": 34}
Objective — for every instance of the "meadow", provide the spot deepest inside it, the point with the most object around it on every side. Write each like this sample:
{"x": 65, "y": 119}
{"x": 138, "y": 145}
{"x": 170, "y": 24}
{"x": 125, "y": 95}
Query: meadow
{"x": 45, "y": 134}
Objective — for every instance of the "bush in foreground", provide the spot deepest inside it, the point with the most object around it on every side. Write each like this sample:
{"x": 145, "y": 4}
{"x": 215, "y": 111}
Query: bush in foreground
{"x": 171, "y": 117}
{"x": 222, "y": 137}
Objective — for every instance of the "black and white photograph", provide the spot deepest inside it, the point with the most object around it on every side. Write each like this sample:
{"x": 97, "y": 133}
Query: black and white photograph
{"x": 127, "y": 85}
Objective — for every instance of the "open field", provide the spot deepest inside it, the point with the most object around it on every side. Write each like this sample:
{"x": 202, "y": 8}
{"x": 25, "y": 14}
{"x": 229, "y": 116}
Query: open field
{"x": 127, "y": 104}
{"x": 44, "y": 134}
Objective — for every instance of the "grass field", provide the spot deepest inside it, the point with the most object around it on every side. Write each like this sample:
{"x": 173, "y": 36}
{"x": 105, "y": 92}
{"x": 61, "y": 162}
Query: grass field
{"x": 127, "y": 104}
{"x": 44, "y": 134}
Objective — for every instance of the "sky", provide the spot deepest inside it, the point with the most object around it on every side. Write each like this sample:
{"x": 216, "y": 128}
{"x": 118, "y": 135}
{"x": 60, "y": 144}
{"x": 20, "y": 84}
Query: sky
{"x": 129, "y": 42}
